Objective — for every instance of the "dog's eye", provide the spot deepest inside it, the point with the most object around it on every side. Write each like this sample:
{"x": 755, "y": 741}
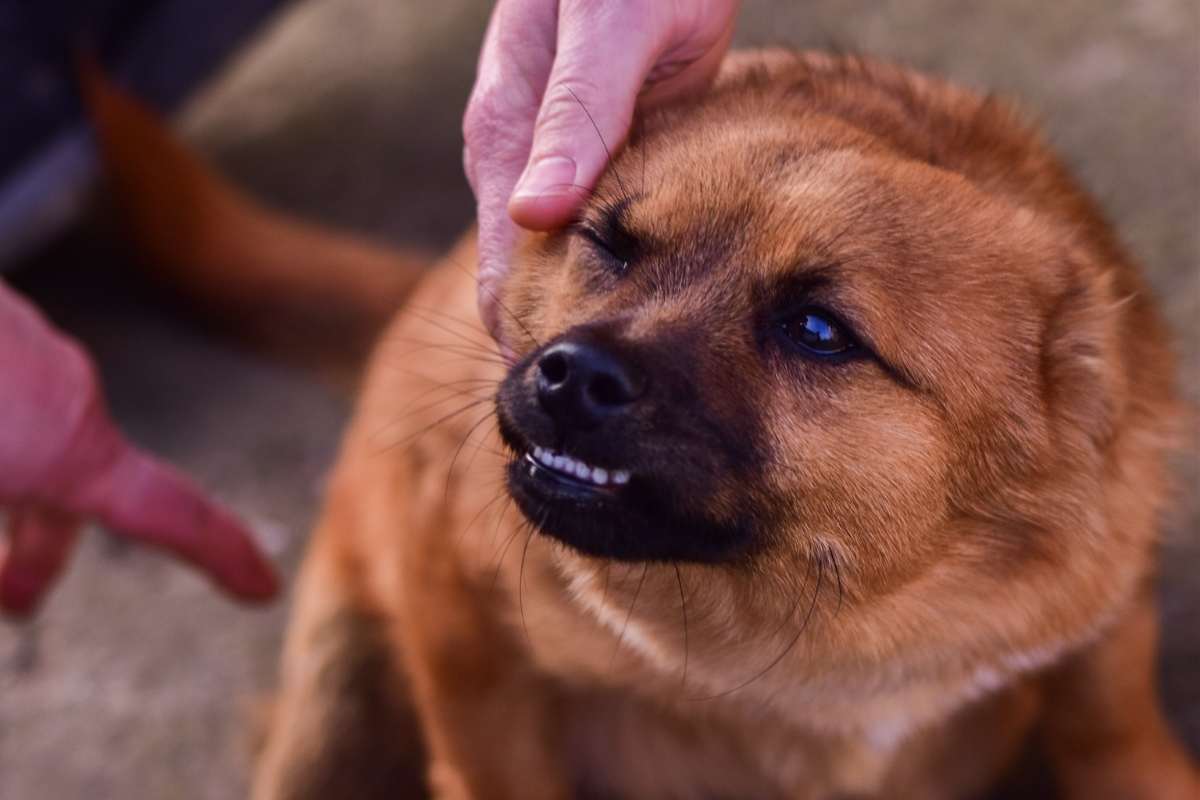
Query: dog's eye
{"x": 607, "y": 234}
{"x": 614, "y": 250}
{"x": 816, "y": 331}
{"x": 597, "y": 241}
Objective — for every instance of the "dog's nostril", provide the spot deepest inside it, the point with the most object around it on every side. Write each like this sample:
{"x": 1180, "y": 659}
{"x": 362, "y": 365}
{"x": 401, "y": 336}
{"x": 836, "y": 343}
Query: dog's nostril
{"x": 581, "y": 383}
{"x": 554, "y": 367}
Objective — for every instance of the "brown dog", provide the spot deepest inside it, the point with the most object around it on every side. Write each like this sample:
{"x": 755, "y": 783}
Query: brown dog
{"x": 835, "y": 435}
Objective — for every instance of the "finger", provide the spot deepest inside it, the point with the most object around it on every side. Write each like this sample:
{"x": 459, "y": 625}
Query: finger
{"x": 690, "y": 67}
{"x": 40, "y": 542}
{"x": 586, "y": 110}
{"x": 498, "y": 124}
{"x": 138, "y": 496}
{"x": 60, "y": 449}
{"x": 593, "y": 89}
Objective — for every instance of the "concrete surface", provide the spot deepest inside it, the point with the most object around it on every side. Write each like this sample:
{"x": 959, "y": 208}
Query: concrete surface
{"x": 134, "y": 680}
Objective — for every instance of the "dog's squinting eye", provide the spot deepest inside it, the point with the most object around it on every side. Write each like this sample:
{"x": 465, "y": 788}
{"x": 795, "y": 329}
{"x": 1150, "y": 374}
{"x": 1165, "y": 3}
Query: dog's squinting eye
{"x": 615, "y": 251}
{"x": 816, "y": 331}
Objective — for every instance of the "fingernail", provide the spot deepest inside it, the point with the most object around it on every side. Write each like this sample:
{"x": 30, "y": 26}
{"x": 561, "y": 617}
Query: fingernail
{"x": 547, "y": 175}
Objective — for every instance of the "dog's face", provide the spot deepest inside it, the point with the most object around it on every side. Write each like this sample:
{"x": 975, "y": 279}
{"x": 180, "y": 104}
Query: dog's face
{"x": 775, "y": 339}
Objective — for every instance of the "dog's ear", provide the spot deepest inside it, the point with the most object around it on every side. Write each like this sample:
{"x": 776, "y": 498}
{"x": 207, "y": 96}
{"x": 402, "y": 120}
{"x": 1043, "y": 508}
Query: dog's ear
{"x": 1084, "y": 376}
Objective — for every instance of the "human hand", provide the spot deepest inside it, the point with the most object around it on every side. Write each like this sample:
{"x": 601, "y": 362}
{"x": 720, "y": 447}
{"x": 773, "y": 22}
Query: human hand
{"x": 62, "y": 460}
{"x": 532, "y": 154}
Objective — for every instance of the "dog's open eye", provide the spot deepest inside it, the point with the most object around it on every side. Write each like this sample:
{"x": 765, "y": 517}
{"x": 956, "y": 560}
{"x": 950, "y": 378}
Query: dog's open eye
{"x": 818, "y": 332}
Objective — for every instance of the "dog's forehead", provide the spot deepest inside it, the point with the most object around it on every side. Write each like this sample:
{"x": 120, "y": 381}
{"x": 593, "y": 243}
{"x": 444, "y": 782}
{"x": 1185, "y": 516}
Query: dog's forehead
{"x": 770, "y": 204}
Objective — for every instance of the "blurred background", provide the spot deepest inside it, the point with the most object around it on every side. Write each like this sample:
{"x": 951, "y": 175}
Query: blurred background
{"x": 137, "y": 680}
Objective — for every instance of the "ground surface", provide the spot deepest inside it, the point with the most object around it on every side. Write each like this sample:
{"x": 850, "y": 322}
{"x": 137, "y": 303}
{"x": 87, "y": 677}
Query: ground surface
{"x": 133, "y": 681}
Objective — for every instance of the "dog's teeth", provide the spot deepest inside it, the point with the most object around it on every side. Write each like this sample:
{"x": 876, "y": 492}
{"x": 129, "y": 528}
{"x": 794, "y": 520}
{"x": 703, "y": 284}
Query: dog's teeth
{"x": 578, "y": 469}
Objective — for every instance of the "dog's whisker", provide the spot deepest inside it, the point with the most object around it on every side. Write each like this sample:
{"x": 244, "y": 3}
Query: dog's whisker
{"x": 628, "y": 616}
{"x": 499, "y": 496}
{"x": 418, "y": 434}
{"x": 607, "y": 152}
{"x": 642, "y": 147}
{"x": 521, "y": 581}
{"x": 480, "y": 442}
{"x": 454, "y": 389}
{"x": 837, "y": 572}
{"x": 454, "y": 349}
{"x": 791, "y": 643}
{"x": 507, "y": 543}
{"x": 454, "y": 459}
{"x": 457, "y": 342}
{"x": 452, "y": 395}
{"x": 471, "y": 324}
{"x": 499, "y": 303}
{"x": 683, "y": 611}
{"x": 428, "y": 317}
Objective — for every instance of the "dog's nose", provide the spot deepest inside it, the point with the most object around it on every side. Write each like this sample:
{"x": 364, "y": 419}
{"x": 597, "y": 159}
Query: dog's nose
{"x": 580, "y": 385}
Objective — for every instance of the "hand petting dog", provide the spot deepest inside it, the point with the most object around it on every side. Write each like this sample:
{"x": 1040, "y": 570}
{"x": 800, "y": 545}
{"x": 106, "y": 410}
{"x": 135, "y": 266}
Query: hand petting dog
{"x": 540, "y": 127}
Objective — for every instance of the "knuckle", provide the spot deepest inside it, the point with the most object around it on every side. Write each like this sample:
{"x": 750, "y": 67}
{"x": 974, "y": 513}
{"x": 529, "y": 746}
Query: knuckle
{"x": 477, "y": 120}
{"x": 490, "y": 116}
{"x": 79, "y": 371}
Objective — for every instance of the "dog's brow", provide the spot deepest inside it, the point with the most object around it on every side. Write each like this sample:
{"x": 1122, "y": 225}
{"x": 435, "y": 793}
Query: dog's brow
{"x": 795, "y": 283}
{"x": 612, "y": 212}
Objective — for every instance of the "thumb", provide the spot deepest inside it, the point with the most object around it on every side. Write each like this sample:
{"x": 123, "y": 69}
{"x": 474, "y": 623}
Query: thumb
{"x": 585, "y": 115}
{"x": 606, "y": 52}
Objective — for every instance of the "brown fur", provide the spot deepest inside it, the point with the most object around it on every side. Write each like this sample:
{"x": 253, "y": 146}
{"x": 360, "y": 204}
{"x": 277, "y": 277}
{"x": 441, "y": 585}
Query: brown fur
{"x": 954, "y": 539}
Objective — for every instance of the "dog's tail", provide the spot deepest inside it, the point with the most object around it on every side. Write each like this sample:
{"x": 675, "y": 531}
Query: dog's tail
{"x": 296, "y": 288}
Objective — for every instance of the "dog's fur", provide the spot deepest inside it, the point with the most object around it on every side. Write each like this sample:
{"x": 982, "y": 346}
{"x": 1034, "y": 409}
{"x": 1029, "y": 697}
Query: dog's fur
{"x": 872, "y": 575}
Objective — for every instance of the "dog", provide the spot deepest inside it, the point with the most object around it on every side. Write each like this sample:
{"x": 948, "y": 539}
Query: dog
{"x": 827, "y": 462}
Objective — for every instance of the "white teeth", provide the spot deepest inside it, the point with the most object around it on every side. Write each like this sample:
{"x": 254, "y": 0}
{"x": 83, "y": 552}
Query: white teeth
{"x": 578, "y": 469}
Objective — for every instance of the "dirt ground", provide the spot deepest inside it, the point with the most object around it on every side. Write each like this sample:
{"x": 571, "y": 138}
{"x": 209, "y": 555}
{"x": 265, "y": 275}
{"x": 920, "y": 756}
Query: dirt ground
{"x": 135, "y": 680}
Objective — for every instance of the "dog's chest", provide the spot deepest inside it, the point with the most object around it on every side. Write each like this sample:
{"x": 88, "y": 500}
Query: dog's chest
{"x": 623, "y": 747}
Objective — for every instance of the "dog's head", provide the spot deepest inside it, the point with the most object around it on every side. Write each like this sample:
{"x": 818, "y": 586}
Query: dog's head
{"x": 831, "y": 314}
